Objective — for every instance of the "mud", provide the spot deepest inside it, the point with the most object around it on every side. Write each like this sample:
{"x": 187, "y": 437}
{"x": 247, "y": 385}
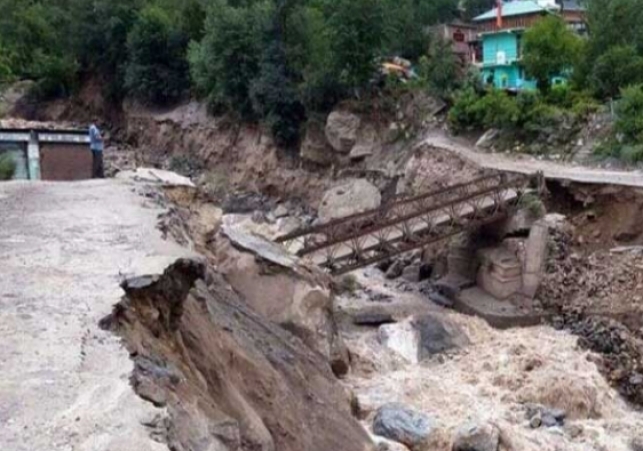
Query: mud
{"x": 229, "y": 379}
{"x": 494, "y": 379}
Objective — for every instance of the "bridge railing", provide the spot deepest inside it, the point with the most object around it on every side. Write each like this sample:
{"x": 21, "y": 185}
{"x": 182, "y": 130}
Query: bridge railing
{"x": 345, "y": 244}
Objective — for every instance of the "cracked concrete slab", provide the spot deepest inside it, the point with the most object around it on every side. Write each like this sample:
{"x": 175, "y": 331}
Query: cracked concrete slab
{"x": 64, "y": 248}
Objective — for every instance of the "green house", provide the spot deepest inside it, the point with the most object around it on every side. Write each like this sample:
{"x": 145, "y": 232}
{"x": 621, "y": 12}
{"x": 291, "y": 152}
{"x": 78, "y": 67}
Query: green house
{"x": 501, "y": 35}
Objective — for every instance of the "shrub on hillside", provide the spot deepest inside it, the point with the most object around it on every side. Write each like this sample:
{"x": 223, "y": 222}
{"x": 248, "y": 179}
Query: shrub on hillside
{"x": 463, "y": 115}
{"x": 542, "y": 118}
{"x": 7, "y": 167}
{"x": 631, "y": 154}
{"x": 629, "y": 115}
{"x": 496, "y": 109}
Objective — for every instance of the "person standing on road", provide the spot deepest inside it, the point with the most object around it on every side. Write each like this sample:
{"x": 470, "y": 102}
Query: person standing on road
{"x": 96, "y": 145}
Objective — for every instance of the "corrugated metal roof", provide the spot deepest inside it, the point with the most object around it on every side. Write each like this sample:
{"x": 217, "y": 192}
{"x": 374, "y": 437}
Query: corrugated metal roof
{"x": 515, "y": 8}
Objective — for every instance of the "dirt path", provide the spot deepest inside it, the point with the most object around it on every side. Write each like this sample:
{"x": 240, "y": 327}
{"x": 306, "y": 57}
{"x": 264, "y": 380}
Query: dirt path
{"x": 528, "y": 165}
{"x": 64, "y": 383}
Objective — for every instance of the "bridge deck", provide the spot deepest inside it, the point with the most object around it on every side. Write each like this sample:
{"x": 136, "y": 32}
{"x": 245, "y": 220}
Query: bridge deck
{"x": 360, "y": 240}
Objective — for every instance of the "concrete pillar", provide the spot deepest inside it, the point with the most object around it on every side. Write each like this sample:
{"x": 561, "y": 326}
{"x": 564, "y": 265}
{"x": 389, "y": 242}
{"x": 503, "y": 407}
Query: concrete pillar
{"x": 535, "y": 258}
{"x": 33, "y": 156}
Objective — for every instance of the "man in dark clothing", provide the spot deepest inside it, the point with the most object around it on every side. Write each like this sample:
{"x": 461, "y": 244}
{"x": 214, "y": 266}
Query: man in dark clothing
{"x": 96, "y": 145}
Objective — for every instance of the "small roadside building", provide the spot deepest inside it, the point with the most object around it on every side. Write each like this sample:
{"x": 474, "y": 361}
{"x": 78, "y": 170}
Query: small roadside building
{"x": 47, "y": 154}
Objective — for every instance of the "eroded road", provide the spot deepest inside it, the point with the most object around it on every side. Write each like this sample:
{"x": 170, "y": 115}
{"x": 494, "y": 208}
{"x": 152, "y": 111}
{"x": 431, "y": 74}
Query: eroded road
{"x": 527, "y": 165}
{"x": 64, "y": 248}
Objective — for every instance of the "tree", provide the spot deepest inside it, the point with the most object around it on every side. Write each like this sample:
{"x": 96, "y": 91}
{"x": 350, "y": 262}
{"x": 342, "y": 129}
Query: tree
{"x": 441, "y": 70}
{"x": 157, "y": 69}
{"x": 550, "y": 48}
{"x": 273, "y": 93}
{"x": 356, "y": 29}
{"x": 618, "y": 67}
{"x": 629, "y": 115}
{"x": 227, "y": 60}
{"x": 614, "y": 22}
{"x": 474, "y": 8}
{"x": 99, "y": 29}
{"x": 431, "y": 12}
{"x": 404, "y": 34}
{"x": 34, "y": 45}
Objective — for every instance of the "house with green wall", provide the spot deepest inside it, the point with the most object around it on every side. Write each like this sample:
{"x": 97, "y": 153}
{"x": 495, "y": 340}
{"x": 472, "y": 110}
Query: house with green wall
{"x": 501, "y": 31}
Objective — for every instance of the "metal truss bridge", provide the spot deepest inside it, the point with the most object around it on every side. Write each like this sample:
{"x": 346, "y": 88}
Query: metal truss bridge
{"x": 344, "y": 245}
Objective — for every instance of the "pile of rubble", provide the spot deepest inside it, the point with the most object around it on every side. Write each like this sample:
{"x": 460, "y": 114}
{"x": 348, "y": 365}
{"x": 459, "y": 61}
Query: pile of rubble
{"x": 598, "y": 298}
{"x": 604, "y": 282}
{"x": 621, "y": 351}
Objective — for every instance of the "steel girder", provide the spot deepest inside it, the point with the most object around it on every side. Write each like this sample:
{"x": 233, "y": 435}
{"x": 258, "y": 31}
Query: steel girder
{"x": 349, "y": 243}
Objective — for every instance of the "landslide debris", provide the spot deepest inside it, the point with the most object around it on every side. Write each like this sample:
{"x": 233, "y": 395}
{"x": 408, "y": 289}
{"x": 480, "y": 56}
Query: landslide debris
{"x": 597, "y": 296}
{"x": 621, "y": 351}
{"x": 229, "y": 379}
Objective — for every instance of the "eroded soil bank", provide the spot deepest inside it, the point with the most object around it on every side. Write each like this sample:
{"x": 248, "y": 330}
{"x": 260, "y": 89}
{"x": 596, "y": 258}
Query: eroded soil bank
{"x": 229, "y": 379}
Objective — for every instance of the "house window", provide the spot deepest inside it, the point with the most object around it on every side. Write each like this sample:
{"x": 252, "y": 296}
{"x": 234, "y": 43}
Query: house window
{"x": 458, "y": 36}
{"x": 519, "y": 46}
{"x": 501, "y": 58}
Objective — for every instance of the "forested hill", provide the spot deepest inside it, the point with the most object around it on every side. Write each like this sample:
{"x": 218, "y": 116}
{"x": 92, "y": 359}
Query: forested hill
{"x": 277, "y": 61}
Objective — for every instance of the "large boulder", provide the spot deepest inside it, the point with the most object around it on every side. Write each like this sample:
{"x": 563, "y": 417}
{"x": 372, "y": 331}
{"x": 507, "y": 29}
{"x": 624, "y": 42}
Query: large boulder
{"x": 487, "y": 140}
{"x": 423, "y": 336}
{"x": 15, "y": 96}
{"x": 367, "y": 144}
{"x": 397, "y": 422}
{"x": 437, "y": 335}
{"x": 342, "y": 128}
{"x": 474, "y": 436}
{"x": 315, "y": 148}
{"x": 276, "y": 285}
{"x": 349, "y": 198}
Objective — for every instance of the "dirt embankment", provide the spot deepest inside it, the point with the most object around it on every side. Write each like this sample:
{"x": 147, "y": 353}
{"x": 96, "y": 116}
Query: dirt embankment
{"x": 594, "y": 278}
{"x": 229, "y": 379}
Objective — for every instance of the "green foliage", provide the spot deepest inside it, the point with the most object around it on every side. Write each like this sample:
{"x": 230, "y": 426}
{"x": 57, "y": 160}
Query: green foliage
{"x": 430, "y": 12}
{"x": 534, "y": 205}
{"x": 618, "y": 67}
{"x": 614, "y": 23}
{"x": 100, "y": 29}
{"x": 441, "y": 70}
{"x": 227, "y": 60}
{"x": 464, "y": 115}
{"x": 7, "y": 167}
{"x": 541, "y": 116}
{"x": 578, "y": 103}
{"x": 626, "y": 142}
{"x": 496, "y": 109}
{"x": 34, "y": 45}
{"x": 475, "y": 8}
{"x": 550, "y": 48}
{"x": 157, "y": 69}
{"x": 632, "y": 153}
{"x": 355, "y": 30}
{"x": 629, "y": 115}
{"x": 275, "y": 96}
